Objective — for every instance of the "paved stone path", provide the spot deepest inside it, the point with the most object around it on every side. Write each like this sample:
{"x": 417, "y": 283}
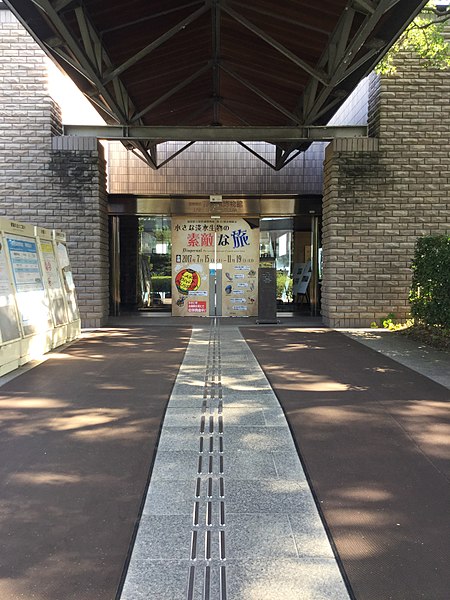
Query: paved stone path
{"x": 229, "y": 514}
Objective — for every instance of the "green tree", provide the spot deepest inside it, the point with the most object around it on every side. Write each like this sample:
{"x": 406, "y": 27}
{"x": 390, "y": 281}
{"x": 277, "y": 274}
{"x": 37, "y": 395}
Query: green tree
{"x": 426, "y": 36}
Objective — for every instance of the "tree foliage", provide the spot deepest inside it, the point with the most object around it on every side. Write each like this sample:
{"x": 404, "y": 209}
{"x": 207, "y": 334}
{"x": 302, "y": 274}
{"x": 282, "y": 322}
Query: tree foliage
{"x": 426, "y": 37}
{"x": 430, "y": 289}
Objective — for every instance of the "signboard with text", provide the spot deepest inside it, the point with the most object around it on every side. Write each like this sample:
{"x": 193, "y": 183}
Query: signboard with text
{"x": 9, "y": 325}
{"x": 53, "y": 280}
{"x": 32, "y": 301}
{"x": 201, "y": 246}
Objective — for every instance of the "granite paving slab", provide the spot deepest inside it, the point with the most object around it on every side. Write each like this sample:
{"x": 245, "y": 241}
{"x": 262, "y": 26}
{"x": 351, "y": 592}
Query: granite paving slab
{"x": 228, "y": 491}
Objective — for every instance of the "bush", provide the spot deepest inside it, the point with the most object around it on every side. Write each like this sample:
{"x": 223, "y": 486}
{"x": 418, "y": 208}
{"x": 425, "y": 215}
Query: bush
{"x": 282, "y": 280}
{"x": 161, "y": 283}
{"x": 430, "y": 289}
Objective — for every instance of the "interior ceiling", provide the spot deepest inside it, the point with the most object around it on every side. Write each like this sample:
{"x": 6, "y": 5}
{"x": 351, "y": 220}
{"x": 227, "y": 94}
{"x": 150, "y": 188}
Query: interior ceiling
{"x": 216, "y": 63}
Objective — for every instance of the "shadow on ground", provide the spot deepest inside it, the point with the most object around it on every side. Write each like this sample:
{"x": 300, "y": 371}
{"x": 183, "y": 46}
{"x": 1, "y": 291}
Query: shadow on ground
{"x": 374, "y": 438}
{"x": 77, "y": 440}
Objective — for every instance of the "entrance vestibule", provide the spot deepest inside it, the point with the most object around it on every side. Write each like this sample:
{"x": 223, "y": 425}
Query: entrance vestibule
{"x": 207, "y": 265}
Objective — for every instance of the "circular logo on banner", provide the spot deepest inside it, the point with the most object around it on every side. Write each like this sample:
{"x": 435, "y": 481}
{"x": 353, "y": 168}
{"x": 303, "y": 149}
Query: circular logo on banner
{"x": 187, "y": 281}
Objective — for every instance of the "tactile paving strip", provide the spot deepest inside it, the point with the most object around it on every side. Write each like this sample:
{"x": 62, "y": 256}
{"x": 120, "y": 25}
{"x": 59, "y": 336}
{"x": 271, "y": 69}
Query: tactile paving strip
{"x": 209, "y": 484}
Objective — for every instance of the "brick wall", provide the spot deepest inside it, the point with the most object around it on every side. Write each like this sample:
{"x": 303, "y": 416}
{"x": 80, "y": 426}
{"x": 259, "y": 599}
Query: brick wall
{"x": 378, "y": 199}
{"x": 62, "y": 188}
{"x": 78, "y": 171}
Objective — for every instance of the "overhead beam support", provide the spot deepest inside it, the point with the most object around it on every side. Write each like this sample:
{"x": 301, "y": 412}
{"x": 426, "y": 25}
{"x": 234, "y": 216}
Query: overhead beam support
{"x": 175, "y": 154}
{"x": 216, "y": 134}
{"x": 368, "y": 6}
{"x": 261, "y": 158}
{"x": 279, "y": 47}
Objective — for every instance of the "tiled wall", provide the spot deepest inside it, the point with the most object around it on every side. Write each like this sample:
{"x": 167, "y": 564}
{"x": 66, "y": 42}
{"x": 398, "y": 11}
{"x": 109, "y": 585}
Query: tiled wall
{"x": 215, "y": 168}
{"x": 355, "y": 108}
{"x": 226, "y": 167}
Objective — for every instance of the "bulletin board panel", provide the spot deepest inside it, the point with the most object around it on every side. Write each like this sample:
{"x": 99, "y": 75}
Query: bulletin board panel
{"x": 52, "y": 278}
{"x": 37, "y": 294}
{"x": 32, "y": 301}
{"x": 9, "y": 322}
{"x": 69, "y": 286}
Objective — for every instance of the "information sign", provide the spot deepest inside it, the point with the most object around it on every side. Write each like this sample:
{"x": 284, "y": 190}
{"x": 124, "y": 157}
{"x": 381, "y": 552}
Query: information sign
{"x": 9, "y": 326}
{"x": 32, "y": 302}
{"x": 53, "y": 281}
{"x": 69, "y": 286}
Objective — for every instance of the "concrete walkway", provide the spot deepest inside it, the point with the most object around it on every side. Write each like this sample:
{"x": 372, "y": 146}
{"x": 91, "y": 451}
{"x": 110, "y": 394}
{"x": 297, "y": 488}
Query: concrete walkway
{"x": 434, "y": 364}
{"x": 229, "y": 514}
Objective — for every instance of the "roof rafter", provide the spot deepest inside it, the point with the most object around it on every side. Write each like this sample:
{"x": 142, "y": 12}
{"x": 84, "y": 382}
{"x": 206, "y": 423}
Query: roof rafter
{"x": 270, "y": 82}
{"x": 91, "y": 42}
{"x": 339, "y": 58}
{"x": 261, "y": 94}
{"x": 317, "y": 74}
{"x": 79, "y": 59}
{"x": 172, "y": 91}
{"x": 156, "y": 15}
{"x": 279, "y": 16}
{"x": 341, "y": 52}
{"x": 271, "y": 77}
{"x": 115, "y": 72}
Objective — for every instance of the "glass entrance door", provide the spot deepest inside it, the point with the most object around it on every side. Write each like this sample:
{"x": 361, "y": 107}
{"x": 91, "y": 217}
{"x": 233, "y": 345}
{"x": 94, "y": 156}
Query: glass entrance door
{"x": 155, "y": 263}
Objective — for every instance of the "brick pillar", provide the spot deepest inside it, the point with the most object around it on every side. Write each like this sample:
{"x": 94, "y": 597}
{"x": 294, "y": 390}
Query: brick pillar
{"x": 28, "y": 117}
{"x": 354, "y": 266}
{"x": 78, "y": 171}
{"x": 381, "y": 194}
{"x": 49, "y": 181}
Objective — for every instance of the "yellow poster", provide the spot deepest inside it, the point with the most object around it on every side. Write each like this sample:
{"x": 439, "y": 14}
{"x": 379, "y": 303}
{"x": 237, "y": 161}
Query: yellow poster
{"x": 214, "y": 262}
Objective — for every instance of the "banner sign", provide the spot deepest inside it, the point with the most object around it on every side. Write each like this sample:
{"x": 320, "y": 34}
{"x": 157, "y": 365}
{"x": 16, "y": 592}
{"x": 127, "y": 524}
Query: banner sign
{"x": 203, "y": 247}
